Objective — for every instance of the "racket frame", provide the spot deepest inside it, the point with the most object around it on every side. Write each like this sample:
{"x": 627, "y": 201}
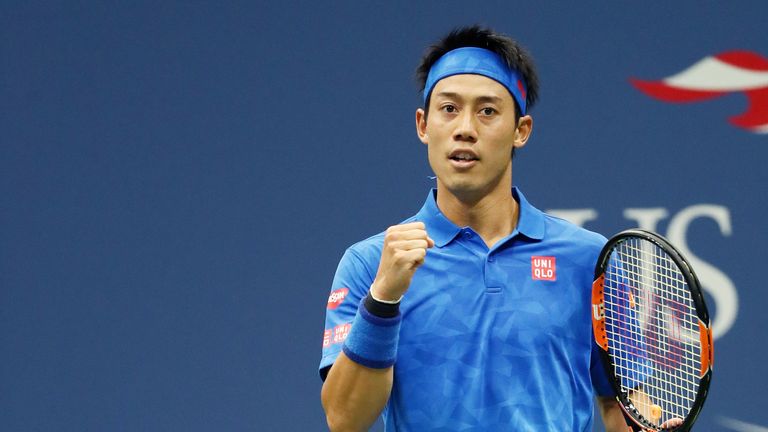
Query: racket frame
{"x": 634, "y": 419}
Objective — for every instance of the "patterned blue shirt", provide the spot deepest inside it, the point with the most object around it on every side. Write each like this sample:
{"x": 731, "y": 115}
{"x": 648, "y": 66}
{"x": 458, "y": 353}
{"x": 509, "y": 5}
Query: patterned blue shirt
{"x": 492, "y": 339}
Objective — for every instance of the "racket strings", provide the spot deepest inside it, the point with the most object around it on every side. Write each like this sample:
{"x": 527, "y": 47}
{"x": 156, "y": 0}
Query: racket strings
{"x": 652, "y": 328}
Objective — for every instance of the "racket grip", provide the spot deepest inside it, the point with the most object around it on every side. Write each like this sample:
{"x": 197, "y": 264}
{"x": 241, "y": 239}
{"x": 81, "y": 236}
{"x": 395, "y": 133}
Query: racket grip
{"x": 632, "y": 426}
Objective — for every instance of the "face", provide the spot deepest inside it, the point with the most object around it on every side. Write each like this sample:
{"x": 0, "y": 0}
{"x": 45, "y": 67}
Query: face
{"x": 470, "y": 133}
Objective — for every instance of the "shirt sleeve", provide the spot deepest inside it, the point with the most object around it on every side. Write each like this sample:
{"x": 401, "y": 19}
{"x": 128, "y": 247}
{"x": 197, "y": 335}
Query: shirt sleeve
{"x": 632, "y": 364}
{"x": 351, "y": 283}
{"x": 600, "y": 380}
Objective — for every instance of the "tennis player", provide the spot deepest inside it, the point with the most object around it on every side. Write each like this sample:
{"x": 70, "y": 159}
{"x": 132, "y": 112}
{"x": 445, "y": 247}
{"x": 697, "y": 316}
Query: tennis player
{"x": 474, "y": 314}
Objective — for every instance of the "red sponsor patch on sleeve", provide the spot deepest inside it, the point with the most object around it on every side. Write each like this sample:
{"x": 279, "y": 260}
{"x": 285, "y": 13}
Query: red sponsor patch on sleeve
{"x": 543, "y": 268}
{"x": 327, "y": 338}
{"x": 337, "y": 297}
{"x": 336, "y": 335}
{"x": 340, "y": 333}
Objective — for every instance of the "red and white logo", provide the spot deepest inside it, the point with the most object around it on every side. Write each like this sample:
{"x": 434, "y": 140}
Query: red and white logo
{"x": 729, "y": 72}
{"x": 340, "y": 333}
{"x": 327, "y": 338}
{"x": 543, "y": 268}
{"x": 337, "y": 297}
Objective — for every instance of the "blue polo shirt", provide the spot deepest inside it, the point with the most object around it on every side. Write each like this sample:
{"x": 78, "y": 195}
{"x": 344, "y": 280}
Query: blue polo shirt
{"x": 492, "y": 339}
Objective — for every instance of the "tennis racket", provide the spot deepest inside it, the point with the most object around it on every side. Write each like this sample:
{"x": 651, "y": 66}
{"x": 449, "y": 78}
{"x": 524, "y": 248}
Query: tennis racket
{"x": 652, "y": 326}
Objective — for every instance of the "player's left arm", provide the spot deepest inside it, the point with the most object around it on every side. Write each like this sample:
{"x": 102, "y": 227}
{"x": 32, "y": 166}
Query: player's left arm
{"x": 613, "y": 417}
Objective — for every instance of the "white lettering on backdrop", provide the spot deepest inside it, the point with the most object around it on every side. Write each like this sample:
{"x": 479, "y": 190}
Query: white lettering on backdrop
{"x": 713, "y": 280}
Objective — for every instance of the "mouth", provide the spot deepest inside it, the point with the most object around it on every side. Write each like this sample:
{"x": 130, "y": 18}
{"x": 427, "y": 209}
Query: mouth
{"x": 463, "y": 158}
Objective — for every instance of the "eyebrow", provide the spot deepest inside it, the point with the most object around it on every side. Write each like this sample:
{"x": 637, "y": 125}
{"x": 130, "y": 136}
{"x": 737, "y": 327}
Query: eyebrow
{"x": 481, "y": 99}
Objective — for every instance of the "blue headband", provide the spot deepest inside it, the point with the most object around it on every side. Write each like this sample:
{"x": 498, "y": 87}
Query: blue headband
{"x": 477, "y": 61}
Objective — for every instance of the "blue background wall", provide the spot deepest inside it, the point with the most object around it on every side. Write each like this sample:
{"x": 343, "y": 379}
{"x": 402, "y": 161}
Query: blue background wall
{"x": 178, "y": 181}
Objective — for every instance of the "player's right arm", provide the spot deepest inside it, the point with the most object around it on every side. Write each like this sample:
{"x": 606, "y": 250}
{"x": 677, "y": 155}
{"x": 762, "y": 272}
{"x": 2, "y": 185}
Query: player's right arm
{"x": 354, "y": 395}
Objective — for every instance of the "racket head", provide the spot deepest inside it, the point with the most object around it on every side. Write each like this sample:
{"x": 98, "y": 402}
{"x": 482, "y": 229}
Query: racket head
{"x": 652, "y": 325}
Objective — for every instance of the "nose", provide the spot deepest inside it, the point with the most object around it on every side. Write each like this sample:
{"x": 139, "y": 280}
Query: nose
{"x": 465, "y": 128}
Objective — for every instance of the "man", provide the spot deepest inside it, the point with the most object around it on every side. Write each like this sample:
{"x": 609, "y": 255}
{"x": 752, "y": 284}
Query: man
{"x": 474, "y": 314}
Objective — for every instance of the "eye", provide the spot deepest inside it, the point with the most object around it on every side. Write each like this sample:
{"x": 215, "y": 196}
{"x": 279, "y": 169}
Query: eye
{"x": 449, "y": 108}
{"x": 487, "y": 111}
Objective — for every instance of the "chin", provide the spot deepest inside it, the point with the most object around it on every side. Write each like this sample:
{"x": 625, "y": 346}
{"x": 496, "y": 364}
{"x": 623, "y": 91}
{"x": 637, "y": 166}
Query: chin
{"x": 462, "y": 187}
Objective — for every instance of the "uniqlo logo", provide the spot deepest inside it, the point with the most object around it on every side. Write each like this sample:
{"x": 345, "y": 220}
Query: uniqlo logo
{"x": 340, "y": 332}
{"x": 327, "y": 338}
{"x": 543, "y": 268}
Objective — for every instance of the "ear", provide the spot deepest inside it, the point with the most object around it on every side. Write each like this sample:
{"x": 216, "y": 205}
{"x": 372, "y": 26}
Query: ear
{"x": 421, "y": 125}
{"x": 523, "y": 131}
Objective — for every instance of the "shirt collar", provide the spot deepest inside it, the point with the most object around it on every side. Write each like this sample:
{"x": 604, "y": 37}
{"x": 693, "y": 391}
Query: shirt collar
{"x": 530, "y": 222}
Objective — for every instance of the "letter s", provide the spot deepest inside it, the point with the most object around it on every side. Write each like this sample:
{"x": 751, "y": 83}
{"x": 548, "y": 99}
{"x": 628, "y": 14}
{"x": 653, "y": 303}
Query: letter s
{"x": 714, "y": 281}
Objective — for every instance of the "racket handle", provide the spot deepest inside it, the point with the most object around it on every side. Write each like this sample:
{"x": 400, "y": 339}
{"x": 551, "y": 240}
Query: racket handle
{"x": 634, "y": 427}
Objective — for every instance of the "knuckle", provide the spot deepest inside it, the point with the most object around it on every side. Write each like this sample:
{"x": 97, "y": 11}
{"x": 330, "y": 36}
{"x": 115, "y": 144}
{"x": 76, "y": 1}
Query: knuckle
{"x": 392, "y": 236}
{"x": 399, "y": 256}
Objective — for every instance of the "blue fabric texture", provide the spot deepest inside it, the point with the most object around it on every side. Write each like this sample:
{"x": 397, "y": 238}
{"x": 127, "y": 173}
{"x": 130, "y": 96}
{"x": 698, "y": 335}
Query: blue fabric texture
{"x": 491, "y": 339}
{"x": 630, "y": 362}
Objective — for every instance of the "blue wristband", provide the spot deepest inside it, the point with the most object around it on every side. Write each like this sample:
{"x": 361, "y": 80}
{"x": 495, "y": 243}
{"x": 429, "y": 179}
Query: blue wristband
{"x": 372, "y": 340}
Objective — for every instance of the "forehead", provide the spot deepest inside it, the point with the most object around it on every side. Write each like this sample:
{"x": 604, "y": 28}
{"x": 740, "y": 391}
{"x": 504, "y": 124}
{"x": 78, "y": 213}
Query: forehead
{"x": 471, "y": 86}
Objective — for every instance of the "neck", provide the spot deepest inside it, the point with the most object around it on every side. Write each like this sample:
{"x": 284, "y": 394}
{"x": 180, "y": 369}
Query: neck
{"x": 492, "y": 216}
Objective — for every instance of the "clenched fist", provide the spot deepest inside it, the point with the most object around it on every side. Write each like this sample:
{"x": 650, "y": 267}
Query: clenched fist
{"x": 405, "y": 247}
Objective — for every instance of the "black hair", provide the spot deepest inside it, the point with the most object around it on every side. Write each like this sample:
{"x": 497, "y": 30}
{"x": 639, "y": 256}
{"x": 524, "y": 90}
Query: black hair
{"x": 510, "y": 50}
